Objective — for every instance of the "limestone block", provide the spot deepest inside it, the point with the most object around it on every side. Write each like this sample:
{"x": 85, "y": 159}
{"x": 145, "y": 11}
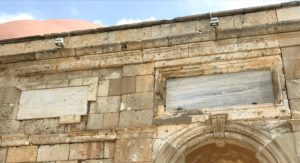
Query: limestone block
{"x": 144, "y": 83}
{"x": 291, "y": 13}
{"x": 95, "y": 121}
{"x": 164, "y": 131}
{"x": 257, "y": 42}
{"x": 69, "y": 119}
{"x": 121, "y": 58}
{"x": 295, "y": 107}
{"x": 22, "y": 154}
{"x": 293, "y": 87}
{"x": 289, "y": 143}
{"x": 255, "y": 18}
{"x": 290, "y": 53}
{"x": 14, "y": 140}
{"x": 87, "y": 40}
{"x": 133, "y": 150}
{"x": 48, "y": 54}
{"x": 292, "y": 69}
{"x": 9, "y": 95}
{"x": 107, "y": 104}
{"x": 128, "y": 85}
{"x": 168, "y": 53}
{"x": 56, "y": 102}
{"x": 67, "y": 161}
{"x": 109, "y": 149}
{"x": 297, "y": 139}
{"x": 203, "y": 25}
{"x": 76, "y": 82}
{"x": 177, "y": 28}
{"x": 6, "y": 112}
{"x": 9, "y": 126}
{"x": 137, "y": 101}
{"x": 103, "y": 88}
{"x": 40, "y": 126}
{"x": 36, "y": 85}
{"x": 92, "y": 92}
{"x": 53, "y": 152}
{"x": 3, "y": 152}
{"x": 15, "y": 48}
{"x": 99, "y": 161}
{"x": 67, "y": 52}
{"x": 92, "y": 106}
{"x": 136, "y": 118}
{"x": 129, "y": 35}
{"x": 57, "y": 83}
{"x": 289, "y": 39}
{"x": 86, "y": 150}
{"x": 115, "y": 87}
{"x": 110, "y": 120}
{"x": 39, "y": 45}
{"x": 138, "y": 69}
{"x": 123, "y": 35}
{"x": 80, "y": 74}
{"x": 226, "y": 22}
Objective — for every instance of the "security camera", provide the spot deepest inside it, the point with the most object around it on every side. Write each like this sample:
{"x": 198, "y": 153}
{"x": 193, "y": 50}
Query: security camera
{"x": 214, "y": 22}
{"x": 59, "y": 42}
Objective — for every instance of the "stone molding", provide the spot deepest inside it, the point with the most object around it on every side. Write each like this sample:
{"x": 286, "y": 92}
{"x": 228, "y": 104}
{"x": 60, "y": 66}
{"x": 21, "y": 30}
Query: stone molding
{"x": 44, "y": 139}
{"x": 266, "y": 29}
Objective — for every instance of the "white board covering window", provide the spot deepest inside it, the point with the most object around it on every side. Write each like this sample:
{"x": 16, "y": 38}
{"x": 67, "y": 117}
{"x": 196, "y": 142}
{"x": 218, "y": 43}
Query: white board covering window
{"x": 51, "y": 103}
{"x": 215, "y": 91}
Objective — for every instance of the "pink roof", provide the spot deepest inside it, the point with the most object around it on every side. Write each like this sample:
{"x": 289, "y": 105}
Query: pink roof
{"x": 24, "y": 28}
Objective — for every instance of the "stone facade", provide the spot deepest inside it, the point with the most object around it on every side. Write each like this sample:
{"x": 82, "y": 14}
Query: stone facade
{"x": 125, "y": 69}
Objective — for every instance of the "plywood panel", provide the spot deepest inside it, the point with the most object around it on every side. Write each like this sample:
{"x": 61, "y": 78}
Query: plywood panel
{"x": 47, "y": 103}
{"x": 243, "y": 88}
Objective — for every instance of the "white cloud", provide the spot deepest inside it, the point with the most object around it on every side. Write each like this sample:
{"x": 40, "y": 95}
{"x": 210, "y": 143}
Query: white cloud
{"x": 203, "y": 6}
{"x": 131, "y": 21}
{"x": 4, "y": 17}
{"x": 99, "y": 22}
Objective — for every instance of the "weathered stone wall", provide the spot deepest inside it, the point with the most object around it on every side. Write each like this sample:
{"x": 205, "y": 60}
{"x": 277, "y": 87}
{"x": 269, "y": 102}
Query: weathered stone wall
{"x": 125, "y": 71}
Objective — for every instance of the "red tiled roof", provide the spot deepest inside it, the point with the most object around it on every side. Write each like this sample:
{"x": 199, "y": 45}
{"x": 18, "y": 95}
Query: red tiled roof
{"x": 24, "y": 28}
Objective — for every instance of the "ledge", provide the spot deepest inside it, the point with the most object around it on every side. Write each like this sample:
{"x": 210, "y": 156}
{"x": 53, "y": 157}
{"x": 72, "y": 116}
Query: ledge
{"x": 268, "y": 29}
{"x": 75, "y": 137}
{"x": 158, "y": 22}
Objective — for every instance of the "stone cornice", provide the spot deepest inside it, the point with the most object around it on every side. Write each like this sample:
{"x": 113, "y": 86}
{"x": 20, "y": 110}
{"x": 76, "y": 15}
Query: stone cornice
{"x": 158, "y": 22}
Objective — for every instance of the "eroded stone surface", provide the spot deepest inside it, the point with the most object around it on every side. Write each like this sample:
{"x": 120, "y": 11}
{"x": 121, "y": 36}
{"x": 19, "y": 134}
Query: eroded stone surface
{"x": 137, "y": 101}
{"x": 3, "y": 154}
{"x": 95, "y": 121}
{"x": 86, "y": 150}
{"x": 135, "y": 118}
{"x": 133, "y": 150}
{"x": 133, "y": 70}
{"x": 53, "y": 153}
{"x": 22, "y": 154}
{"x": 107, "y": 104}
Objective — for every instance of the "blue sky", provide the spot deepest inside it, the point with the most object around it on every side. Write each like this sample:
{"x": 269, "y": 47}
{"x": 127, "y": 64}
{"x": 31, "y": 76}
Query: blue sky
{"x": 114, "y": 12}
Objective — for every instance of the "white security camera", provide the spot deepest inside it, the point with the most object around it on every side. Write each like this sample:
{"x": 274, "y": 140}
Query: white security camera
{"x": 59, "y": 42}
{"x": 214, "y": 22}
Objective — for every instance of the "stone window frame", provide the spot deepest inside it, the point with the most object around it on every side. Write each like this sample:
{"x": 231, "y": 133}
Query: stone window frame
{"x": 278, "y": 109}
{"x": 91, "y": 82}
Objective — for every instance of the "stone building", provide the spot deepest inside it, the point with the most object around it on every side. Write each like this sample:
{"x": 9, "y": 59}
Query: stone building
{"x": 170, "y": 91}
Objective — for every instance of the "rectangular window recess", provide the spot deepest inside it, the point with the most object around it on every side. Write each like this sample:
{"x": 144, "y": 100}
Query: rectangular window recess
{"x": 220, "y": 90}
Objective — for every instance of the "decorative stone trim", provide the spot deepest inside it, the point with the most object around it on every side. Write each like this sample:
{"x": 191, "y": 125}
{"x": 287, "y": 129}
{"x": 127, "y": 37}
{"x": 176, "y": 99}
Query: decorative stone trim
{"x": 277, "y": 109}
{"x": 75, "y": 137}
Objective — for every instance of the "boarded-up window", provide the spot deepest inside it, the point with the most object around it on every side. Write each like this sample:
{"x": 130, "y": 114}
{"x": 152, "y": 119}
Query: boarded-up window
{"x": 48, "y": 103}
{"x": 241, "y": 88}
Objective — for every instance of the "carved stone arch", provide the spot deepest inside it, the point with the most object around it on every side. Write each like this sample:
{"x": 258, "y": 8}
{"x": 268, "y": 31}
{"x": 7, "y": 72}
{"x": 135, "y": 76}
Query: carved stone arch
{"x": 178, "y": 145}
